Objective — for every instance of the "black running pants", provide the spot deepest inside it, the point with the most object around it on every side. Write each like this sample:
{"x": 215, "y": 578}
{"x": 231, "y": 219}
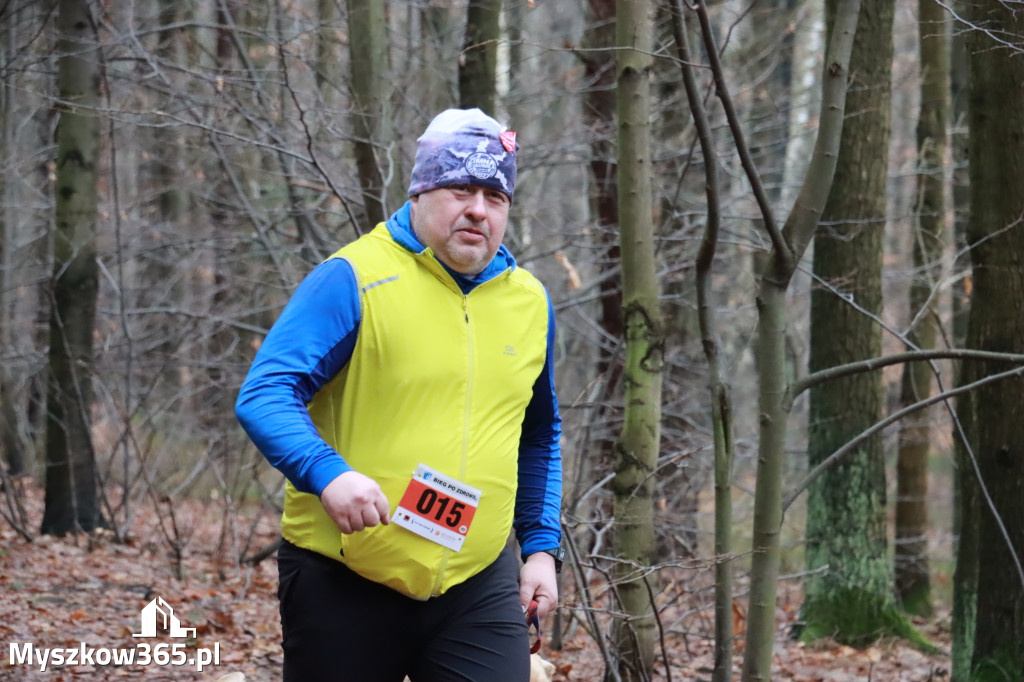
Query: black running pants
{"x": 340, "y": 627}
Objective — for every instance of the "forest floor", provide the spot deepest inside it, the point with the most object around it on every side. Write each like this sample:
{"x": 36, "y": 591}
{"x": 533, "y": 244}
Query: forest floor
{"x": 75, "y": 591}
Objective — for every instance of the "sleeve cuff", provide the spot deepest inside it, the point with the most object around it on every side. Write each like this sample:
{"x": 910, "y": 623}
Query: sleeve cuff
{"x": 324, "y": 472}
{"x": 541, "y": 540}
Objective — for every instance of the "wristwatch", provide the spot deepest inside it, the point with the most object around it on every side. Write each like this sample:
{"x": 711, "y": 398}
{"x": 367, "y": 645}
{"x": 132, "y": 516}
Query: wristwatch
{"x": 559, "y": 555}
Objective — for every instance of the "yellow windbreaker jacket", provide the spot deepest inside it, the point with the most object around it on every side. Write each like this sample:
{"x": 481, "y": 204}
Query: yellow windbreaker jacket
{"x": 436, "y": 376}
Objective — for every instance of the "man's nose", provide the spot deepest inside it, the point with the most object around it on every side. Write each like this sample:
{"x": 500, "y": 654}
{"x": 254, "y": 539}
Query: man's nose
{"x": 476, "y": 205}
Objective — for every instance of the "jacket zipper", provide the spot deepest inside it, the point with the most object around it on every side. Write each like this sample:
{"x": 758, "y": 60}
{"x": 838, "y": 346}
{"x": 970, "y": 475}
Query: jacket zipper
{"x": 436, "y": 591}
{"x": 469, "y": 389}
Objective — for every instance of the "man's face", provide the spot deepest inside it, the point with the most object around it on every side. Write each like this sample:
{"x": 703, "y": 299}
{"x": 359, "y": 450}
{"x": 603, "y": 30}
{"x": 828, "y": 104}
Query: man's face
{"x": 463, "y": 225}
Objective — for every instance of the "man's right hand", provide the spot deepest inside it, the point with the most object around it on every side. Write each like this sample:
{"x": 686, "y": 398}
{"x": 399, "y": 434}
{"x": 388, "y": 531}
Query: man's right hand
{"x": 355, "y": 502}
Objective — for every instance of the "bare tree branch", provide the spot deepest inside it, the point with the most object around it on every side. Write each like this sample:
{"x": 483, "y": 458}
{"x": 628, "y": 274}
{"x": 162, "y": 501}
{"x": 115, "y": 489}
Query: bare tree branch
{"x": 871, "y": 364}
{"x": 850, "y": 445}
{"x": 722, "y": 89}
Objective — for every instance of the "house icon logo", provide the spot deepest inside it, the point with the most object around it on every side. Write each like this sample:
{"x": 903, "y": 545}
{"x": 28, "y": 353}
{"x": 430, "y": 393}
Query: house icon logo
{"x": 169, "y": 621}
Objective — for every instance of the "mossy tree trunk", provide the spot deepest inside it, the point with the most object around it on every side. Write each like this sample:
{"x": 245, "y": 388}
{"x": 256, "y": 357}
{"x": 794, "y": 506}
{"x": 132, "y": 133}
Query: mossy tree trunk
{"x": 846, "y": 522}
{"x": 479, "y": 59}
{"x": 965, "y": 502}
{"x": 636, "y": 450}
{"x": 996, "y": 229}
{"x": 966, "y": 521}
{"x": 913, "y": 585}
{"x": 71, "y": 500}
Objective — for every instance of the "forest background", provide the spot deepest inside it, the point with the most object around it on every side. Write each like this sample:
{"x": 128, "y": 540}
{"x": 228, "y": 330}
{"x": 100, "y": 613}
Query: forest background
{"x": 172, "y": 170}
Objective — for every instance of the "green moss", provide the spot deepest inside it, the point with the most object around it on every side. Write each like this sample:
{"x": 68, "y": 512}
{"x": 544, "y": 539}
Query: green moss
{"x": 918, "y": 602}
{"x": 1003, "y": 666}
{"x": 965, "y": 609}
{"x": 857, "y": 618}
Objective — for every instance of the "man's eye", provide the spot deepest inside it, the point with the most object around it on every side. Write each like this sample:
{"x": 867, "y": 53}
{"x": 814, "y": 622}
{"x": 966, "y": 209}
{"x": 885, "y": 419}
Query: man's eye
{"x": 497, "y": 197}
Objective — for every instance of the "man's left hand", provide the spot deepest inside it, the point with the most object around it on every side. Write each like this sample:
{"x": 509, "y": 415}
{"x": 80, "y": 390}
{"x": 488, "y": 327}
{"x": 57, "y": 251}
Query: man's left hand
{"x": 537, "y": 581}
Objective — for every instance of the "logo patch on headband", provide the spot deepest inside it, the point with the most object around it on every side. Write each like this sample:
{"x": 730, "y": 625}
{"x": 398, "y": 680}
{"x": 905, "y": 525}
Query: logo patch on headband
{"x": 481, "y": 165}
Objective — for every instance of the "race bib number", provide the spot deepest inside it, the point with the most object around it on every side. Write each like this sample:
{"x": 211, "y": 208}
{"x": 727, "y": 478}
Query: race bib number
{"x": 437, "y": 508}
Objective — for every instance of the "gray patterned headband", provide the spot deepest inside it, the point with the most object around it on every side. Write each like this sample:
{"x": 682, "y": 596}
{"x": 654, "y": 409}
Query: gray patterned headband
{"x": 465, "y": 147}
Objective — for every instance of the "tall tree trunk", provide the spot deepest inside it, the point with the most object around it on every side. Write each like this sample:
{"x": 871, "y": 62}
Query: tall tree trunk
{"x": 769, "y": 121}
{"x": 850, "y": 599}
{"x": 598, "y": 113}
{"x": 71, "y": 503}
{"x": 637, "y": 447}
{"x": 913, "y": 586}
{"x": 328, "y": 66}
{"x": 161, "y": 285}
{"x": 966, "y": 528}
{"x": 603, "y": 421}
{"x": 518, "y": 109}
{"x": 26, "y": 267}
{"x": 479, "y": 59}
{"x": 10, "y": 441}
{"x": 996, "y": 231}
{"x": 439, "y": 55}
{"x": 807, "y": 42}
{"x": 965, "y": 490}
{"x": 774, "y": 275}
{"x": 599, "y": 116}
{"x": 371, "y": 94}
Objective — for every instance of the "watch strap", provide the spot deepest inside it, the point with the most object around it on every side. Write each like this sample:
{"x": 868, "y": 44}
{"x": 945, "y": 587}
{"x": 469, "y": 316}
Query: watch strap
{"x": 558, "y": 553}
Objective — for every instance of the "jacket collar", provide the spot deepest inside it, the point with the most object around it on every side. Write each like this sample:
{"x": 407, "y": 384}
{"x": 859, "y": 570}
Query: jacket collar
{"x": 400, "y": 227}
